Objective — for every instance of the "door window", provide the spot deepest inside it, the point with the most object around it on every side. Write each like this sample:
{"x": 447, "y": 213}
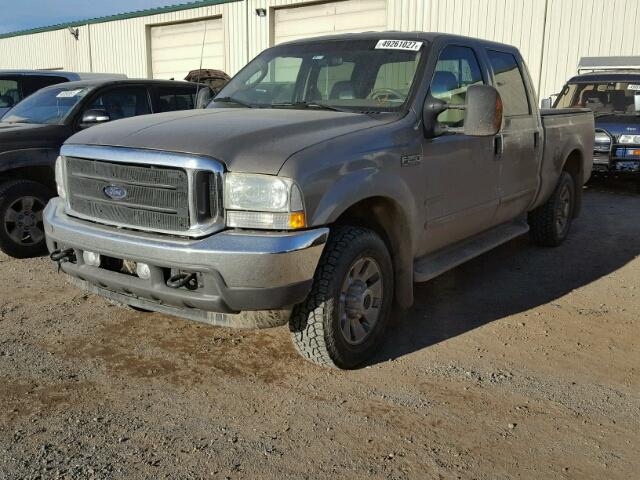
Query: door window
{"x": 172, "y": 99}
{"x": 509, "y": 83}
{"x": 123, "y": 102}
{"x": 456, "y": 70}
{"x": 9, "y": 93}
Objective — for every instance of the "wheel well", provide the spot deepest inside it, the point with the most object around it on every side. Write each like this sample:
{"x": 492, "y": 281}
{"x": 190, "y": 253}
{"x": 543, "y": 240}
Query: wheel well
{"x": 573, "y": 166}
{"x": 386, "y": 218}
{"x": 40, "y": 174}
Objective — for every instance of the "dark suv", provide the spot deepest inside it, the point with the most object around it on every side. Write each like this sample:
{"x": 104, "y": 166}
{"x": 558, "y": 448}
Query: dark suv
{"x": 613, "y": 94}
{"x": 32, "y": 132}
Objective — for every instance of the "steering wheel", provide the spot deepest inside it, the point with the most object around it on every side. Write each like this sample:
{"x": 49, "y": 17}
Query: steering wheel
{"x": 383, "y": 95}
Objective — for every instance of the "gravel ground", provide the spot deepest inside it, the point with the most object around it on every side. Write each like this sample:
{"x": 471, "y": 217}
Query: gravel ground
{"x": 520, "y": 364}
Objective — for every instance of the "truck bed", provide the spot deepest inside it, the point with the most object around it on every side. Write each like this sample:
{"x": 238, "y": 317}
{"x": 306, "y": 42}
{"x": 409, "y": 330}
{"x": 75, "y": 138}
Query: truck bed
{"x": 565, "y": 130}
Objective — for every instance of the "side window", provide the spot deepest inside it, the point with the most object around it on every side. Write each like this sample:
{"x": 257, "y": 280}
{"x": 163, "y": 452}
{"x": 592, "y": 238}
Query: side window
{"x": 509, "y": 83}
{"x": 123, "y": 102}
{"x": 456, "y": 70}
{"x": 9, "y": 93}
{"x": 171, "y": 99}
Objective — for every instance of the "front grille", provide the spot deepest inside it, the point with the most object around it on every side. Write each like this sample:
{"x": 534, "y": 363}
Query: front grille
{"x": 170, "y": 196}
{"x": 155, "y": 197}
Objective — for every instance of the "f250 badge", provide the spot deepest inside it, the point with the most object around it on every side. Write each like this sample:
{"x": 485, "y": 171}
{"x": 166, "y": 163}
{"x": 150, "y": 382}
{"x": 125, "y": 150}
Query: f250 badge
{"x": 115, "y": 192}
{"x": 410, "y": 160}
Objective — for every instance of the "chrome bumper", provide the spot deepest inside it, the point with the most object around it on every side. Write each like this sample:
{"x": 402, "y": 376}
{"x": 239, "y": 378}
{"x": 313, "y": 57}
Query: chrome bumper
{"x": 247, "y": 270}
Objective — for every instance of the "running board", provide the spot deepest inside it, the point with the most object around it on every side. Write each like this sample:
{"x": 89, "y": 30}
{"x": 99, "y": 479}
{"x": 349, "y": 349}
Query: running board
{"x": 434, "y": 264}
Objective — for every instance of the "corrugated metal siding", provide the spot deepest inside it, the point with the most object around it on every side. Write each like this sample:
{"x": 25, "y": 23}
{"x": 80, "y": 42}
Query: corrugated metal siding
{"x": 579, "y": 28}
{"x": 551, "y": 45}
{"x": 120, "y": 46}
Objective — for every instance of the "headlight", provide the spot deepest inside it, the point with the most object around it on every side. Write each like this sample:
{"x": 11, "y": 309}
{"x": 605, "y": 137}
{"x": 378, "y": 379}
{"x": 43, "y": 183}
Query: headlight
{"x": 60, "y": 184}
{"x": 263, "y": 202}
{"x": 627, "y": 139}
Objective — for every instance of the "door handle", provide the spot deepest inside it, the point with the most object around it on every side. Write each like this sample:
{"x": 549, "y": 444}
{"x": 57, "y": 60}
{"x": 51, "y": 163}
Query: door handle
{"x": 498, "y": 146}
{"x": 536, "y": 139}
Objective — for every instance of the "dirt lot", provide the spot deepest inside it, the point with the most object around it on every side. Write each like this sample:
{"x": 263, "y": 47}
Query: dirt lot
{"x": 521, "y": 364}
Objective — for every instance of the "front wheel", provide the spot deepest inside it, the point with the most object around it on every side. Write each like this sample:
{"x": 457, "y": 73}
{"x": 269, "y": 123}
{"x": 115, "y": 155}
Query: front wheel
{"x": 343, "y": 319}
{"x": 549, "y": 223}
{"x": 22, "y": 203}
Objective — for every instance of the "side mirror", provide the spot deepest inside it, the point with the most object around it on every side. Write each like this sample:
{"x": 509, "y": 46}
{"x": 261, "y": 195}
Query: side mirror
{"x": 482, "y": 118}
{"x": 483, "y": 115}
{"x": 546, "y": 102}
{"x": 93, "y": 117}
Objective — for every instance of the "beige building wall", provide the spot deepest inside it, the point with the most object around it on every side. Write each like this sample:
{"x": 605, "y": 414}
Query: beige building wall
{"x": 551, "y": 34}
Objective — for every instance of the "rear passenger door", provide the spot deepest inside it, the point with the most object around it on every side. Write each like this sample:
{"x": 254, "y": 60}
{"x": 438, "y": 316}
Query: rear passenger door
{"x": 170, "y": 99}
{"x": 518, "y": 144}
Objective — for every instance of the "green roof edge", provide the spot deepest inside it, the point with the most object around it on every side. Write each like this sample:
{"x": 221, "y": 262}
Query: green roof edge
{"x": 119, "y": 16}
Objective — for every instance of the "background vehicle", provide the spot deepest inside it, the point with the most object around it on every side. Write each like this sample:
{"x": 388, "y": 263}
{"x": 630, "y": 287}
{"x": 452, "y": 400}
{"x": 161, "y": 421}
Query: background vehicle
{"x": 340, "y": 171}
{"x": 32, "y": 132}
{"x": 610, "y": 87}
{"x": 18, "y": 84}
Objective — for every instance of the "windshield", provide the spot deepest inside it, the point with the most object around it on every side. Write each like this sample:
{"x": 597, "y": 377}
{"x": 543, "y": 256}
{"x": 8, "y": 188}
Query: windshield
{"x": 353, "y": 76}
{"x": 50, "y": 105}
{"x": 602, "y": 98}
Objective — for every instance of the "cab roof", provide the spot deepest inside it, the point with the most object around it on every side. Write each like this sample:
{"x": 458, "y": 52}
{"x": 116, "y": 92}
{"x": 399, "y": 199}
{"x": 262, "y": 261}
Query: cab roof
{"x": 429, "y": 37}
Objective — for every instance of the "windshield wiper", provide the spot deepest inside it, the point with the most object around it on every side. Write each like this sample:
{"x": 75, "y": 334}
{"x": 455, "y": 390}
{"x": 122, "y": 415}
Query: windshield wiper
{"x": 232, "y": 100}
{"x": 322, "y": 106}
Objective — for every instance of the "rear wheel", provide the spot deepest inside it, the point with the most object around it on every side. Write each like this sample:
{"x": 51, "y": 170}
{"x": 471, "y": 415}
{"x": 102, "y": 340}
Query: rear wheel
{"x": 342, "y": 321}
{"x": 549, "y": 223}
{"x": 22, "y": 204}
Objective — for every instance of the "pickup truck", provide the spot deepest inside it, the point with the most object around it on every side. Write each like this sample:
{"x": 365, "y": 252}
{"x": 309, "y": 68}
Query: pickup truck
{"x": 32, "y": 132}
{"x": 326, "y": 177}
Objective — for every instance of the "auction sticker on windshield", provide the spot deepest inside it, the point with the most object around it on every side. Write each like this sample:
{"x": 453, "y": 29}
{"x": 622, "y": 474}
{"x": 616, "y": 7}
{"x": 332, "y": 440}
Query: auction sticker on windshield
{"x": 399, "y": 45}
{"x": 69, "y": 93}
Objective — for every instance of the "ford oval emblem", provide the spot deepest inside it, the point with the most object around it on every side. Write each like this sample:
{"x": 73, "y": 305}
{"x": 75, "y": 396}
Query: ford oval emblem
{"x": 115, "y": 192}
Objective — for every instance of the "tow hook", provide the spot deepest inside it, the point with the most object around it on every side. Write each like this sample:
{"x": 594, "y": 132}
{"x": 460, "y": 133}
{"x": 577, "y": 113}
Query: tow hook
{"x": 179, "y": 280}
{"x": 61, "y": 256}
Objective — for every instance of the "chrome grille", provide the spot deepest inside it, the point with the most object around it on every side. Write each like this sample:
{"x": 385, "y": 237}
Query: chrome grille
{"x": 162, "y": 192}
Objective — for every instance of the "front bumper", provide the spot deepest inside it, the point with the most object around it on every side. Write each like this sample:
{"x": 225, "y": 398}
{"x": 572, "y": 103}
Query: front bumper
{"x": 238, "y": 270}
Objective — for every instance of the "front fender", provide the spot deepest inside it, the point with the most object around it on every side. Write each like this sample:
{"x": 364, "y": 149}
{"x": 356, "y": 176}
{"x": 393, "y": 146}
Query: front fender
{"x": 28, "y": 157}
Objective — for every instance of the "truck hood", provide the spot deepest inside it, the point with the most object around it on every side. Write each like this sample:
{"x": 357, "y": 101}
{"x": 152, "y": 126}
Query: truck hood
{"x": 15, "y": 136}
{"x": 617, "y": 125}
{"x": 245, "y": 140}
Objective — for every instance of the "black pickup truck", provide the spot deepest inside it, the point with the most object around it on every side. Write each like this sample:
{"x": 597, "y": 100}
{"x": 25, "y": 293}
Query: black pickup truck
{"x": 32, "y": 132}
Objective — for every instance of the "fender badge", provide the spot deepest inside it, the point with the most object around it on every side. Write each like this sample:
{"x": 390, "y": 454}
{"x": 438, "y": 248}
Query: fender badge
{"x": 410, "y": 160}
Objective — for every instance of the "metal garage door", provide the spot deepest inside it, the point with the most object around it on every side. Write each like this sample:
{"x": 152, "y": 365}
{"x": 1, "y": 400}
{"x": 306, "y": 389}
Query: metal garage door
{"x": 175, "y": 49}
{"x": 329, "y": 18}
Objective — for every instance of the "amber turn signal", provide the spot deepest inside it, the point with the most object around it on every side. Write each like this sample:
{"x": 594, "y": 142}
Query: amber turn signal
{"x": 297, "y": 220}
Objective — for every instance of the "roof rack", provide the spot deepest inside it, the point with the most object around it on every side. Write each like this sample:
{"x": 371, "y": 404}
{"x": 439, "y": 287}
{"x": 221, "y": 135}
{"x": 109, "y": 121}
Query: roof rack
{"x": 599, "y": 64}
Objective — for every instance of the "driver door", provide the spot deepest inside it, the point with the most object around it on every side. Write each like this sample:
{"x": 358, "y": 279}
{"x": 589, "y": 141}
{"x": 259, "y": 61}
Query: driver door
{"x": 461, "y": 171}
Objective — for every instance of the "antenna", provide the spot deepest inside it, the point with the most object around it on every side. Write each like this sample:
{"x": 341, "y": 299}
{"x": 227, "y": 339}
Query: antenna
{"x": 204, "y": 37}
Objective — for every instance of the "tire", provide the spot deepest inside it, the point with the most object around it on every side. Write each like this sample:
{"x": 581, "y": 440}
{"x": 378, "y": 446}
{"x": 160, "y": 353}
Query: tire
{"x": 21, "y": 207}
{"x": 354, "y": 277}
{"x": 550, "y": 223}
